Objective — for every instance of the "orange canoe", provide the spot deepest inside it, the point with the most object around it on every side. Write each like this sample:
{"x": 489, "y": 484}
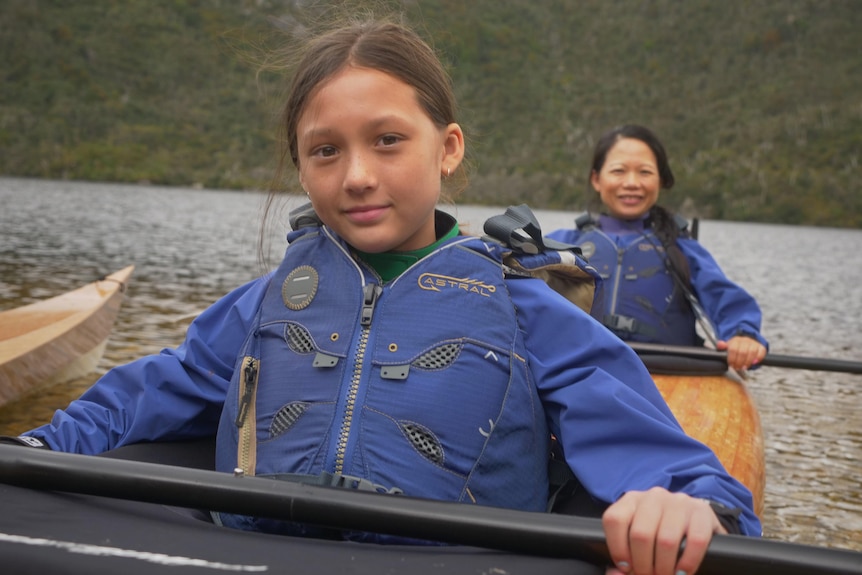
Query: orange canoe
{"x": 58, "y": 339}
{"x": 714, "y": 407}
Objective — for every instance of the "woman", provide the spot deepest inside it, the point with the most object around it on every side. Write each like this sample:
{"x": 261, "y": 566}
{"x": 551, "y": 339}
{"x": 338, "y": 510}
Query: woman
{"x": 656, "y": 278}
{"x": 390, "y": 348}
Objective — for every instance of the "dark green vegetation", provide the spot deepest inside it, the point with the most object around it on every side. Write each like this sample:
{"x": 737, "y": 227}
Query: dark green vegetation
{"x": 759, "y": 102}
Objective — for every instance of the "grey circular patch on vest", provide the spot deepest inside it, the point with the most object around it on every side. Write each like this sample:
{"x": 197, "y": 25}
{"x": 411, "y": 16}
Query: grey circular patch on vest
{"x": 299, "y": 287}
{"x": 588, "y": 249}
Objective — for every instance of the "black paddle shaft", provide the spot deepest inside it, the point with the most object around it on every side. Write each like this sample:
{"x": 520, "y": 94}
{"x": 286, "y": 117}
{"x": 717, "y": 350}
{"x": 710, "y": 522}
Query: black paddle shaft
{"x": 771, "y": 359}
{"x": 457, "y": 523}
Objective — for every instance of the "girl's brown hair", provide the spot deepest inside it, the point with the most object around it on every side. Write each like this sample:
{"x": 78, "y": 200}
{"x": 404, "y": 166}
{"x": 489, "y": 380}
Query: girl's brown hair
{"x": 385, "y": 46}
{"x": 378, "y": 44}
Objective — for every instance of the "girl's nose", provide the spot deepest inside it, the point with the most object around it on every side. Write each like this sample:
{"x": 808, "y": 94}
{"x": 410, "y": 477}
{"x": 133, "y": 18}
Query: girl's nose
{"x": 360, "y": 174}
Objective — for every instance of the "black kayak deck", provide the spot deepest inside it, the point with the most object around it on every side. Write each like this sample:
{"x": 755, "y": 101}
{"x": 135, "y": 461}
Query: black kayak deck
{"x": 64, "y": 533}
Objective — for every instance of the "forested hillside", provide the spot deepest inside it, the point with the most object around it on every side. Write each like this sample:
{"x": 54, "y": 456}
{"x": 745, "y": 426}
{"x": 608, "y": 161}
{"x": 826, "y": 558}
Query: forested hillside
{"x": 759, "y": 102}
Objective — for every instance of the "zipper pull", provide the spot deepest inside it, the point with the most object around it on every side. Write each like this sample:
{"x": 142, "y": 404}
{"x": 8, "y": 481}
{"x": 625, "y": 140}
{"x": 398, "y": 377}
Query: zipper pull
{"x": 370, "y": 295}
{"x": 250, "y": 380}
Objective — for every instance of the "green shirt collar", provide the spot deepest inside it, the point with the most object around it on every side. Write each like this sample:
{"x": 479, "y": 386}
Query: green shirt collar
{"x": 390, "y": 265}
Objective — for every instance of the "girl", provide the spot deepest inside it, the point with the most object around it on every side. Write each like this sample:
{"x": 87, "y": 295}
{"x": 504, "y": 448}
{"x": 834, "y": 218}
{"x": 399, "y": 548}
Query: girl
{"x": 657, "y": 278}
{"x": 390, "y": 350}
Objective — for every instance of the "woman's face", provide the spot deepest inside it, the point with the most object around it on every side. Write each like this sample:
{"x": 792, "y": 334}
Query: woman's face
{"x": 628, "y": 182}
{"x": 371, "y": 160}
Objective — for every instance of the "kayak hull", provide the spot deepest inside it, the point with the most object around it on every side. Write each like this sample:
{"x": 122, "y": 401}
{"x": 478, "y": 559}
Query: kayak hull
{"x": 716, "y": 408}
{"x": 58, "y": 339}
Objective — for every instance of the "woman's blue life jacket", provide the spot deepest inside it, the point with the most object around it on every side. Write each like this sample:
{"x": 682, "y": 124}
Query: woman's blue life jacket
{"x": 642, "y": 300}
{"x": 646, "y": 299}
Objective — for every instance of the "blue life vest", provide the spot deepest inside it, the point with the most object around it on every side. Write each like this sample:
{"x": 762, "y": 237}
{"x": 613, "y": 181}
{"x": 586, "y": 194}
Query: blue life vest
{"x": 419, "y": 386}
{"x": 641, "y": 300}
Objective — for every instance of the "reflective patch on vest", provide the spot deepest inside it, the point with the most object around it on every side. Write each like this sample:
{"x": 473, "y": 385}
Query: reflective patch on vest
{"x": 423, "y": 441}
{"x": 300, "y": 287}
{"x": 286, "y": 417}
{"x": 588, "y": 249}
{"x": 439, "y": 357}
{"x": 298, "y": 339}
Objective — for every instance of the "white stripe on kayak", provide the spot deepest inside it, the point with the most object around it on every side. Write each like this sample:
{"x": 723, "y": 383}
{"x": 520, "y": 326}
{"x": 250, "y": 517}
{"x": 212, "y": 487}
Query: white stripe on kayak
{"x": 102, "y": 551}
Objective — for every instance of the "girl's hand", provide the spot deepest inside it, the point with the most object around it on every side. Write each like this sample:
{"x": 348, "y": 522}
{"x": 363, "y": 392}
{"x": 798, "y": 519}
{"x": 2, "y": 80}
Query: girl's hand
{"x": 742, "y": 351}
{"x": 644, "y": 531}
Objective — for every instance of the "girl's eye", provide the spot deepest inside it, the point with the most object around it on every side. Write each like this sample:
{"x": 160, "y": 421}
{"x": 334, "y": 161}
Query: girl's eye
{"x": 389, "y": 140}
{"x": 324, "y": 151}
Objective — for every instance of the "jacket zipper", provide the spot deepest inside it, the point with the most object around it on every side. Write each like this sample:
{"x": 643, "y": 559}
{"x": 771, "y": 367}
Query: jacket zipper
{"x": 246, "y": 416}
{"x": 370, "y": 295}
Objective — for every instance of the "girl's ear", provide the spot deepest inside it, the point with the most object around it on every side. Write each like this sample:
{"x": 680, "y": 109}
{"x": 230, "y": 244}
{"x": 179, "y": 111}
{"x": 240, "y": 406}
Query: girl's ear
{"x": 594, "y": 180}
{"x": 301, "y": 177}
{"x": 453, "y": 149}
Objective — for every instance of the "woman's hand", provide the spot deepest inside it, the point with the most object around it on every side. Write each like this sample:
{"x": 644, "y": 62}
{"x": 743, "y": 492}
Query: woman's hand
{"x": 644, "y": 531}
{"x": 742, "y": 351}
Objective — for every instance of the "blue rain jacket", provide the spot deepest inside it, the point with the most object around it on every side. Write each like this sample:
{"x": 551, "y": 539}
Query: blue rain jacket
{"x": 596, "y": 397}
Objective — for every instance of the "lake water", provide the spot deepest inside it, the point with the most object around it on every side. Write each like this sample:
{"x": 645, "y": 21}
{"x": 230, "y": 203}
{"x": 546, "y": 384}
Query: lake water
{"x": 192, "y": 246}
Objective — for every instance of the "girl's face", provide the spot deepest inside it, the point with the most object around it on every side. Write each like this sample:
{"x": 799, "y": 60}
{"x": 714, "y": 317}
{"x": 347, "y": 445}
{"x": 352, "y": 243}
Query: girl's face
{"x": 628, "y": 182}
{"x": 371, "y": 160}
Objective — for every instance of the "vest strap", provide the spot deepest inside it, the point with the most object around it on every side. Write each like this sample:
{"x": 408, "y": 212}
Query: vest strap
{"x": 303, "y": 217}
{"x": 518, "y": 228}
{"x": 628, "y": 324}
{"x": 585, "y": 221}
{"x": 326, "y": 479}
{"x": 682, "y": 225}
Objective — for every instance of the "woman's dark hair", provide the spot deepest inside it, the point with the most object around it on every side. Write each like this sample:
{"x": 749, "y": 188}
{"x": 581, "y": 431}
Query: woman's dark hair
{"x": 661, "y": 219}
{"x": 634, "y": 132}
